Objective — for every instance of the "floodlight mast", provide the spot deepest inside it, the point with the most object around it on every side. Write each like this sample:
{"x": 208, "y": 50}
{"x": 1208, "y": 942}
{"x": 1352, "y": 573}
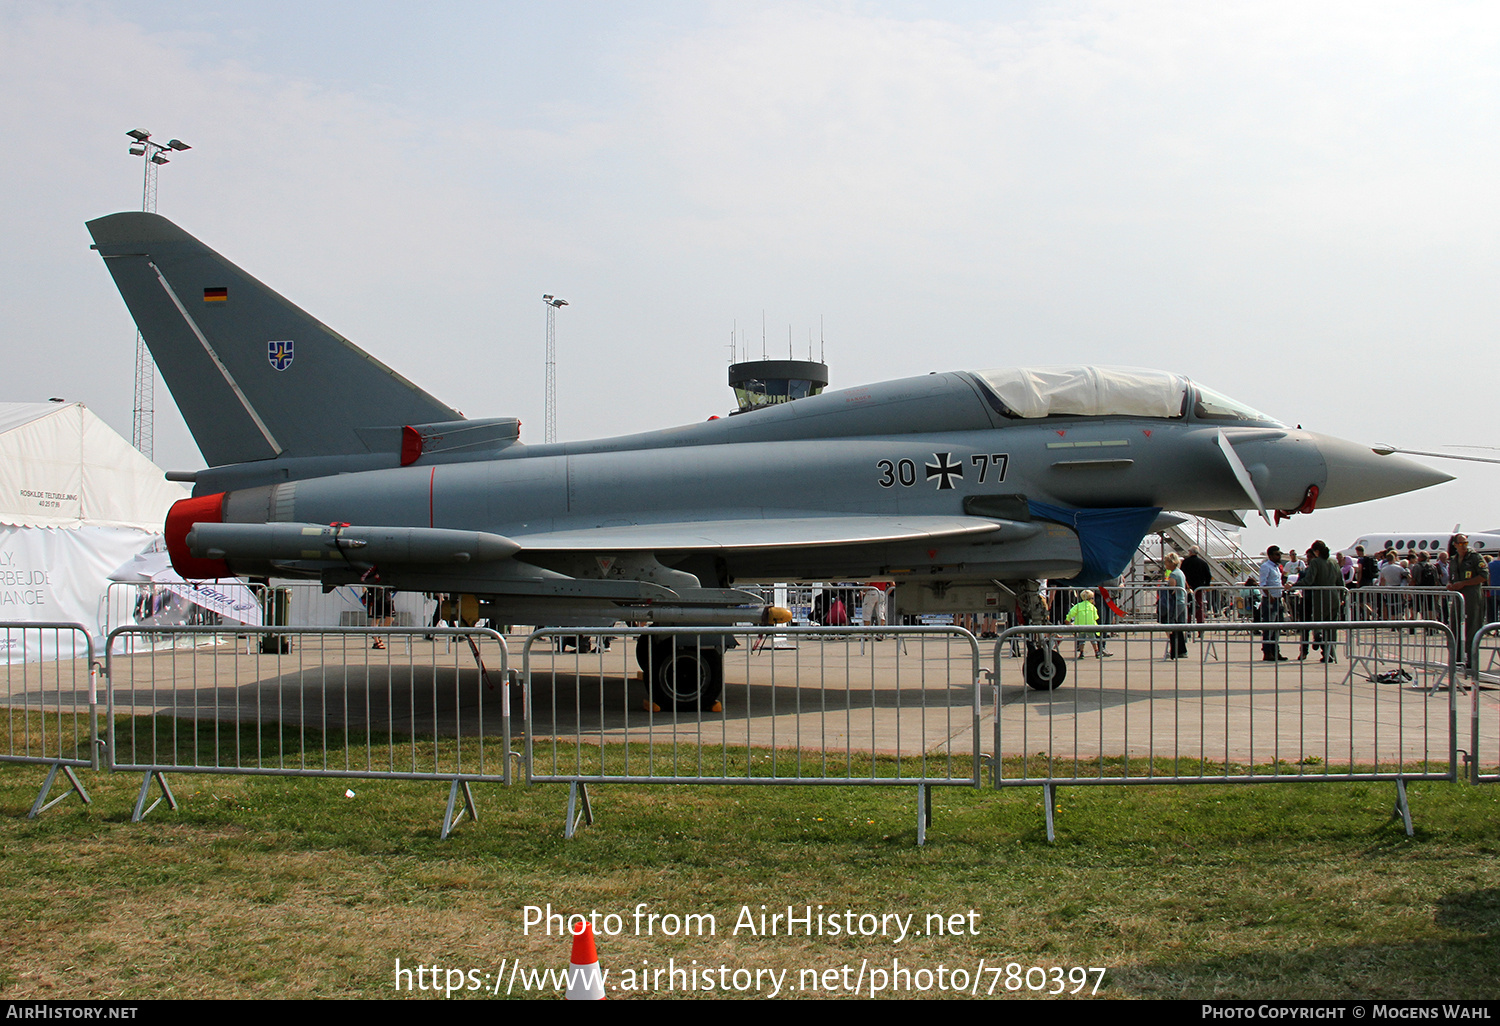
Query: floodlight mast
{"x": 549, "y": 414}
{"x": 143, "y": 411}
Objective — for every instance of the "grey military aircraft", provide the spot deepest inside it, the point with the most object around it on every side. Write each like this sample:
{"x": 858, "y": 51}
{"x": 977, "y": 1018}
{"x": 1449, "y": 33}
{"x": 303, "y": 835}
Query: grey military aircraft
{"x": 326, "y": 464}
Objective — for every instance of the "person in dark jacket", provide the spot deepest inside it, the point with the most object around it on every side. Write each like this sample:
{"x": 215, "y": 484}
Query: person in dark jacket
{"x": 1322, "y": 587}
{"x": 1199, "y": 575}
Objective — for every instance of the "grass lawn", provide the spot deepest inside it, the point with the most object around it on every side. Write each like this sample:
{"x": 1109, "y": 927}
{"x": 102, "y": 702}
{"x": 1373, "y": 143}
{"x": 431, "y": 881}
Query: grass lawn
{"x": 275, "y": 887}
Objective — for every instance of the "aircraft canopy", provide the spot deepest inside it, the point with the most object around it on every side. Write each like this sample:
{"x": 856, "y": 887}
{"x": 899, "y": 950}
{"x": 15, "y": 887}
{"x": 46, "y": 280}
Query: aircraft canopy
{"x": 1087, "y": 391}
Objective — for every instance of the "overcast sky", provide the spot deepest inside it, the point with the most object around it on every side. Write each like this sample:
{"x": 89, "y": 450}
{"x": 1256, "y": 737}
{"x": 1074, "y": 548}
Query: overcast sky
{"x": 1293, "y": 203}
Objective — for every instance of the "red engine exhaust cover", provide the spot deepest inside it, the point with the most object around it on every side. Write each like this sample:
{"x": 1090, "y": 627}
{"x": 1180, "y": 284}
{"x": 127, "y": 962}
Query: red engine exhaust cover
{"x": 202, "y": 509}
{"x": 411, "y": 445}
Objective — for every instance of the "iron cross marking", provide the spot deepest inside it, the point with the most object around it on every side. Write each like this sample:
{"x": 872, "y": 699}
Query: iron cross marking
{"x": 939, "y": 466}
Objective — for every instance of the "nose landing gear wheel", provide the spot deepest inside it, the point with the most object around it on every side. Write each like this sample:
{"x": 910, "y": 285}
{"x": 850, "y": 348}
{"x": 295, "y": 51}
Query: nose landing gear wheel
{"x": 1045, "y": 669}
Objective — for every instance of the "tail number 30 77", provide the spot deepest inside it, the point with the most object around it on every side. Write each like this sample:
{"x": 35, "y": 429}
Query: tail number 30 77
{"x": 942, "y": 470}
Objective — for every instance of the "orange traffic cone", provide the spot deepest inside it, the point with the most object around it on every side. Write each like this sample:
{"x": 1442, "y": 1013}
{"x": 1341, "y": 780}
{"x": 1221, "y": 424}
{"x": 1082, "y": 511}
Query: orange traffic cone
{"x": 585, "y": 981}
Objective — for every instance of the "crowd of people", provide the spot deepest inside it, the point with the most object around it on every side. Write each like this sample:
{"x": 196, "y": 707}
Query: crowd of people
{"x": 1313, "y": 587}
{"x": 1395, "y": 588}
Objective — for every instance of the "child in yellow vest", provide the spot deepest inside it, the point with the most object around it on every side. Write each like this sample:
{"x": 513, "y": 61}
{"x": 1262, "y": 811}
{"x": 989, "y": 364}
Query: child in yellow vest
{"x": 1085, "y": 614}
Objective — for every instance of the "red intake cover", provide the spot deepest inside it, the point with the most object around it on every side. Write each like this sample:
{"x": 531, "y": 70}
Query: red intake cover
{"x": 203, "y": 509}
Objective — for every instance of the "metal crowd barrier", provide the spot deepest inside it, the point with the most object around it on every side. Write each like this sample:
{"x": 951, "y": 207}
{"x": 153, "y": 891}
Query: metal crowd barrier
{"x": 1145, "y": 602}
{"x": 50, "y": 703}
{"x": 395, "y": 703}
{"x": 1399, "y": 604}
{"x": 1225, "y": 713}
{"x": 285, "y": 603}
{"x": 862, "y": 706}
{"x": 849, "y": 706}
{"x": 801, "y": 600}
{"x": 1335, "y": 602}
{"x": 1374, "y": 603}
{"x": 306, "y": 604}
{"x": 1123, "y": 603}
{"x": 1484, "y": 706}
{"x": 1223, "y": 602}
{"x": 1247, "y": 603}
{"x": 129, "y": 604}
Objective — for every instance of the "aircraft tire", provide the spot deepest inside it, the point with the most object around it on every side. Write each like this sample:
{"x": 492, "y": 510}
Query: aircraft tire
{"x": 1045, "y": 669}
{"x": 645, "y": 658}
{"x": 687, "y": 679}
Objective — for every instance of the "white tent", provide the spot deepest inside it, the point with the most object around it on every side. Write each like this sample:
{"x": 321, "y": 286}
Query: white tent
{"x": 76, "y": 501}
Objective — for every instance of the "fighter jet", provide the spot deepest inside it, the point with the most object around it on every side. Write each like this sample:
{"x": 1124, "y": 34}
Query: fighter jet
{"x": 957, "y": 487}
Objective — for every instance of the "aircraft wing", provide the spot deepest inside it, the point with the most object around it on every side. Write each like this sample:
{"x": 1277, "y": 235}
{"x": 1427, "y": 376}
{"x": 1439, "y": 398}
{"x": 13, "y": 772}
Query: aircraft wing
{"x": 767, "y": 533}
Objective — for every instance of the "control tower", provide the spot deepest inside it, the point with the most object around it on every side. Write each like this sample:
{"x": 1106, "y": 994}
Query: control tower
{"x": 758, "y": 383}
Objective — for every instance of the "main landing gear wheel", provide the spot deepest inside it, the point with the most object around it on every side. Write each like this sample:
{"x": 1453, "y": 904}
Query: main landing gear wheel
{"x": 1045, "y": 669}
{"x": 688, "y": 679}
{"x": 643, "y": 653}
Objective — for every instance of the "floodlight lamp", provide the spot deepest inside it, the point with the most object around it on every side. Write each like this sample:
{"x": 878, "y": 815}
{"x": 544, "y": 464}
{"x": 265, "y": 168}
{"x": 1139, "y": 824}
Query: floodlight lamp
{"x": 137, "y": 151}
{"x": 157, "y": 158}
{"x": 178, "y": 144}
{"x": 138, "y": 135}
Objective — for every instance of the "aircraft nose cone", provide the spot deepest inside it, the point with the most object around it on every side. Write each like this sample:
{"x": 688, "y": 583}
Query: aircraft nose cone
{"x": 1357, "y": 474}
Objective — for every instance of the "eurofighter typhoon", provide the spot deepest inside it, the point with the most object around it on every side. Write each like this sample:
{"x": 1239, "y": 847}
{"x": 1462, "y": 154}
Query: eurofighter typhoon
{"x": 326, "y": 464}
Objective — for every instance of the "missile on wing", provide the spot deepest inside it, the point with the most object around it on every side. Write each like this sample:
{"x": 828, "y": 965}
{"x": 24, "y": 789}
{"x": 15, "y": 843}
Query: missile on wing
{"x": 278, "y": 543}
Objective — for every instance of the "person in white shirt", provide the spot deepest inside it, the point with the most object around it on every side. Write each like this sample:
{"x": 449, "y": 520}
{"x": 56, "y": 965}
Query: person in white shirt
{"x": 1270, "y": 604}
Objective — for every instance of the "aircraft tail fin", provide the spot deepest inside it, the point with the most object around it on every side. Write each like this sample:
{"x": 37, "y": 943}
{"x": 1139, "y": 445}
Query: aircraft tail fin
{"x": 255, "y": 377}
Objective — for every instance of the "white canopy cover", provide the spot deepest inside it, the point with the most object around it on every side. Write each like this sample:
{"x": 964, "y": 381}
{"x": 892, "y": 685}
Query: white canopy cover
{"x": 1088, "y": 391}
{"x": 76, "y": 501}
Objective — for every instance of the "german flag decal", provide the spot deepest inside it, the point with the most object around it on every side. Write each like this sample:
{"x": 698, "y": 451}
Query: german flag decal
{"x": 219, "y": 295}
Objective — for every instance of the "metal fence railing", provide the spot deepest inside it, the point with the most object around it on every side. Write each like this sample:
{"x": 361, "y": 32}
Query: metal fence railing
{"x": 1239, "y": 702}
{"x": 1410, "y": 605}
{"x": 1406, "y": 604}
{"x": 50, "y": 703}
{"x": 810, "y": 604}
{"x": 1484, "y": 706}
{"x": 1122, "y": 603}
{"x": 1230, "y": 703}
{"x": 282, "y": 603}
{"x": 870, "y": 706}
{"x": 403, "y": 703}
{"x": 1152, "y": 602}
